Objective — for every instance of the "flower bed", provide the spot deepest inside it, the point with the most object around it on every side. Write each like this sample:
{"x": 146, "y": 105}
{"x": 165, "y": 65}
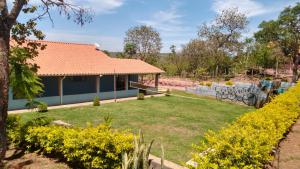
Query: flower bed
{"x": 250, "y": 141}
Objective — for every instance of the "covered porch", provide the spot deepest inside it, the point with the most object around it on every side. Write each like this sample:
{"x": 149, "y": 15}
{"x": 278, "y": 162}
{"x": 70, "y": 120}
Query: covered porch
{"x": 59, "y": 90}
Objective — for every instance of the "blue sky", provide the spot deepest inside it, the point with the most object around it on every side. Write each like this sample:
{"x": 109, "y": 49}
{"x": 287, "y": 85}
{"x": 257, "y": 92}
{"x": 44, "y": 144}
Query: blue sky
{"x": 176, "y": 20}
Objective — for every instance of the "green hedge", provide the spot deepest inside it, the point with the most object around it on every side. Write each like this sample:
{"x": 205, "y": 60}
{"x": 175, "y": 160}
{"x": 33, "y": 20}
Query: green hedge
{"x": 92, "y": 147}
{"x": 250, "y": 141}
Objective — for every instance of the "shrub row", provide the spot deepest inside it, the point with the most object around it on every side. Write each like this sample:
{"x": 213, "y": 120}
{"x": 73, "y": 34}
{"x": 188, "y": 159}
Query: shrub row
{"x": 250, "y": 141}
{"x": 92, "y": 147}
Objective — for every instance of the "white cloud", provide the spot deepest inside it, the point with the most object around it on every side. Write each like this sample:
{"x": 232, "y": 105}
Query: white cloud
{"x": 100, "y": 6}
{"x": 249, "y": 7}
{"x": 171, "y": 26}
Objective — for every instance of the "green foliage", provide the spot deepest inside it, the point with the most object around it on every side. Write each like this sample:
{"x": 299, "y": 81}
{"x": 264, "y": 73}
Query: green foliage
{"x": 248, "y": 142}
{"x": 130, "y": 50}
{"x": 23, "y": 78}
{"x": 32, "y": 104}
{"x": 96, "y": 101}
{"x": 146, "y": 41}
{"x": 13, "y": 127}
{"x": 141, "y": 96}
{"x": 92, "y": 147}
{"x": 285, "y": 31}
{"x": 107, "y": 119}
{"x": 42, "y": 107}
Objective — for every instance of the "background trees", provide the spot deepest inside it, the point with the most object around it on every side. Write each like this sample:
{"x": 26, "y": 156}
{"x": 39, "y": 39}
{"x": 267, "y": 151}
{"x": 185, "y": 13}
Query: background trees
{"x": 145, "y": 42}
{"x": 10, "y": 28}
{"x": 285, "y": 31}
{"x": 221, "y": 49}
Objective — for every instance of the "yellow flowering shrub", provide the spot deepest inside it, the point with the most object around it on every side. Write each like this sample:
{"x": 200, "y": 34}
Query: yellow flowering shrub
{"x": 229, "y": 83}
{"x": 251, "y": 139}
{"x": 92, "y": 147}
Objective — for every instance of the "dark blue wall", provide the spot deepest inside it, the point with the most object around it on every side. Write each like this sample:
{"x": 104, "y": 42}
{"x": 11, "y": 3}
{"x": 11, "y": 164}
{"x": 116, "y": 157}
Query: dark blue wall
{"x": 107, "y": 83}
{"x": 50, "y": 86}
{"x": 79, "y": 85}
{"x": 74, "y": 85}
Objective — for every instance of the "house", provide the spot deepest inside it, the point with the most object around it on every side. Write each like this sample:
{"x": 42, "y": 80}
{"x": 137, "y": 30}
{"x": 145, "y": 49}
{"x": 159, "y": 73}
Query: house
{"x": 74, "y": 73}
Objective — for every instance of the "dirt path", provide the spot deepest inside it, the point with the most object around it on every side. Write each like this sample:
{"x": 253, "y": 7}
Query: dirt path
{"x": 289, "y": 155}
{"x": 17, "y": 159}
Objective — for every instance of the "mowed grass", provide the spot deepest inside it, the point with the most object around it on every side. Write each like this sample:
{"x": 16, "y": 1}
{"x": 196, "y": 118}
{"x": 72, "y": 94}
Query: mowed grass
{"x": 176, "y": 122}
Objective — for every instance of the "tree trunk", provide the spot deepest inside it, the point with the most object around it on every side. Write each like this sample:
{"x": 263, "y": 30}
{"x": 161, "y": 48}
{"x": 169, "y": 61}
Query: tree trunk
{"x": 295, "y": 68}
{"x": 276, "y": 68}
{"x": 4, "y": 80}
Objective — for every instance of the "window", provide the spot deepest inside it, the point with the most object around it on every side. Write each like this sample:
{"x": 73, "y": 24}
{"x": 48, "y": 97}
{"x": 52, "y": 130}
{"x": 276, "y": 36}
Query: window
{"x": 121, "y": 82}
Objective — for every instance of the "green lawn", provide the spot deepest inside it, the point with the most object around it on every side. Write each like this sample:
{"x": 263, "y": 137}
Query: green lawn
{"x": 176, "y": 122}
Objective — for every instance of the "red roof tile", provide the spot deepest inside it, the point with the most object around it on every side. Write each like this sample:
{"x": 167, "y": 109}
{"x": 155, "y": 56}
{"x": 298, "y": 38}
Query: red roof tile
{"x": 66, "y": 59}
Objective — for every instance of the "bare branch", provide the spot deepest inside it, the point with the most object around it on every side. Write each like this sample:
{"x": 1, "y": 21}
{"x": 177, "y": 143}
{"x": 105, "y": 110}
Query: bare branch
{"x": 79, "y": 14}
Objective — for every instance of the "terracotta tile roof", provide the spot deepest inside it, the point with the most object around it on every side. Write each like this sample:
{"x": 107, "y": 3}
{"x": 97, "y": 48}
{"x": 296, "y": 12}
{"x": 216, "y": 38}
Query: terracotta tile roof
{"x": 66, "y": 59}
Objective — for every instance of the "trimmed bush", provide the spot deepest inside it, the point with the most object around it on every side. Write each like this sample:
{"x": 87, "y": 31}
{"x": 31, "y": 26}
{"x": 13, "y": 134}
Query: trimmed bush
{"x": 92, "y": 147}
{"x": 16, "y": 130}
{"x": 249, "y": 141}
{"x": 208, "y": 84}
{"x": 42, "y": 107}
{"x": 140, "y": 96}
{"x": 13, "y": 128}
{"x": 96, "y": 101}
{"x": 229, "y": 83}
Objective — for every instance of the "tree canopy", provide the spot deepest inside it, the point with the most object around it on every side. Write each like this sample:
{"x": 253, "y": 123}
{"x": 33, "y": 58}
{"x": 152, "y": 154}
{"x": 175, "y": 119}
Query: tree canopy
{"x": 146, "y": 41}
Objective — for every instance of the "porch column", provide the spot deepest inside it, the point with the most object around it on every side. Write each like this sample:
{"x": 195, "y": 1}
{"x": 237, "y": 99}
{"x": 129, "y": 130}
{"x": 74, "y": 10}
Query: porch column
{"x": 60, "y": 88}
{"x": 115, "y": 88}
{"x": 156, "y": 80}
{"x": 98, "y": 85}
{"x": 126, "y": 82}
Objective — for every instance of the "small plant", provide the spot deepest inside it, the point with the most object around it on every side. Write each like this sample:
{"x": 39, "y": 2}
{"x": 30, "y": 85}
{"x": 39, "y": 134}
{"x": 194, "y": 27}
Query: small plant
{"x": 227, "y": 78}
{"x": 32, "y": 104}
{"x": 140, "y": 96}
{"x": 268, "y": 78}
{"x": 107, "y": 119}
{"x": 139, "y": 158}
{"x": 168, "y": 92}
{"x": 229, "y": 83}
{"x": 96, "y": 101}
{"x": 42, "y": 107}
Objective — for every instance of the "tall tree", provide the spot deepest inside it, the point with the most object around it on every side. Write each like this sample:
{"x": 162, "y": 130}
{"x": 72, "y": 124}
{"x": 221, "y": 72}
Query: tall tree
{"x": 11, "y": 28}
{"x": 197, "y": 54}
{"x": 223, "y": 35}
{"x": 147, "y": 42}
{"x": 285, "y": 30}
{"x": 130, "y": 50}
{"x": 176, "y": 63}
